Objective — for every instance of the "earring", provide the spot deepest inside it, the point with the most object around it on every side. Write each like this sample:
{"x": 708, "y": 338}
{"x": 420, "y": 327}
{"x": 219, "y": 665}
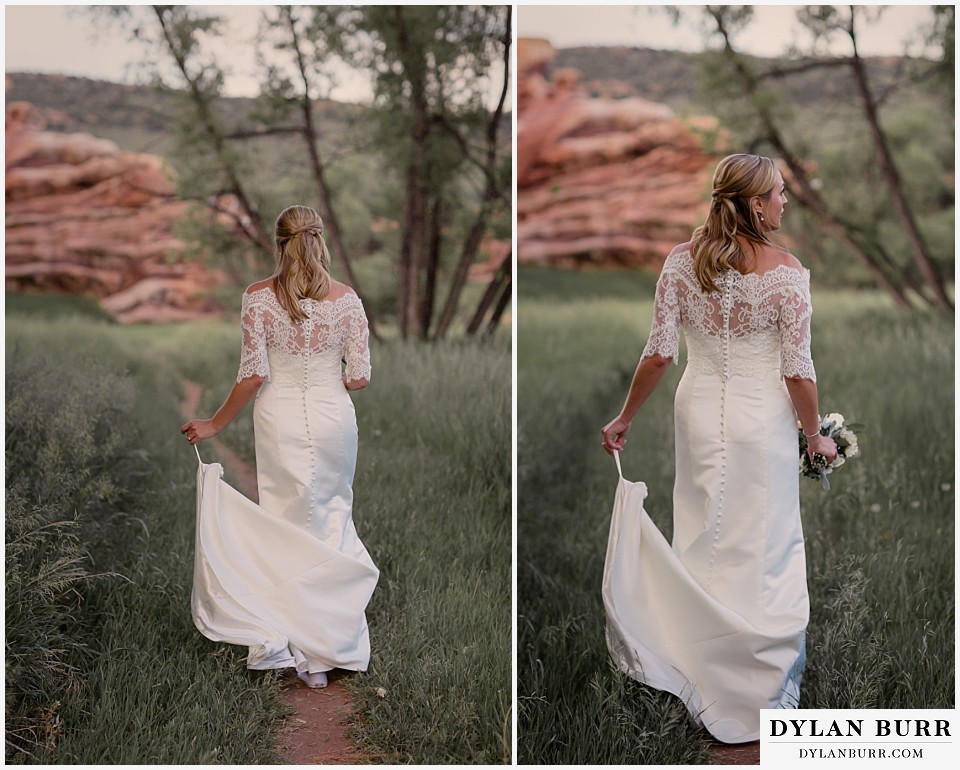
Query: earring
{"x": 760, "y": 214}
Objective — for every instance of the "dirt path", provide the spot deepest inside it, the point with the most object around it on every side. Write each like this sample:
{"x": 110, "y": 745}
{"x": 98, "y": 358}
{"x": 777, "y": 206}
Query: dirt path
{"x": 736, "y": 753}
{"x": 316, "y": 731}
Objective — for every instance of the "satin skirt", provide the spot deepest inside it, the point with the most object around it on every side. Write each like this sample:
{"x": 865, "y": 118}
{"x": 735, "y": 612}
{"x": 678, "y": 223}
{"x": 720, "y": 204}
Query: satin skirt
{"x": 719, "y": 618}
{"x": 288, "y": 577}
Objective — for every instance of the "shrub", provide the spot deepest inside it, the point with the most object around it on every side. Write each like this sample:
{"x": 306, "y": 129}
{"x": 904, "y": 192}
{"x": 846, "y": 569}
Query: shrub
{"x": 62, "y": 461}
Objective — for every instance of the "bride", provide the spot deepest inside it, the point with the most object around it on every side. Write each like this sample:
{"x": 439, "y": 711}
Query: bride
{"x": 289, "y": 577}
{"x": 719, "y": 619}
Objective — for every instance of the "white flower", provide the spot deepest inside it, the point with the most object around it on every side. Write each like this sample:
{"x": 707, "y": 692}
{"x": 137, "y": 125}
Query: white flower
{"x": 835, "y": 418}
{"x": 381, "y": 692}
{"x": 945, "y": 487}
{"x": 875, "y": 508}
{"x": 915, "y": 504}
{"x": 838, "y": 462}
{"x": 852, "y": 451}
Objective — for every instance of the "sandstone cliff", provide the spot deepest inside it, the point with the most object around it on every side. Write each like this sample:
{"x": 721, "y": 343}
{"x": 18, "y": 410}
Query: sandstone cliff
{"x": 602, "y": 181}
{"x": 84, "y": 217}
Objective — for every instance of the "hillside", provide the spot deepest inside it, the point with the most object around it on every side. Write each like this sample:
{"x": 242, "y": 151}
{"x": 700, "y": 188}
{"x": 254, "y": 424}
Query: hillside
{"x": 137, "y": 118}
{"x": 141, "y": 118}
{"x": 675, "y": 77}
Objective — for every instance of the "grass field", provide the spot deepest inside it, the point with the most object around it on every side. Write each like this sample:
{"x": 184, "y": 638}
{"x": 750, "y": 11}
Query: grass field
{"x": 880, "y": 544}
{"x": 103, "y": 662}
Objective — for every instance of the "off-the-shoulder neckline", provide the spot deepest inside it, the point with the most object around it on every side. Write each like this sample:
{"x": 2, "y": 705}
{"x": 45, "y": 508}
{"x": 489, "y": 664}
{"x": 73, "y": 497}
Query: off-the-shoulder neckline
{"x": 802, "y": 271}
{"x": 273, "y": 294}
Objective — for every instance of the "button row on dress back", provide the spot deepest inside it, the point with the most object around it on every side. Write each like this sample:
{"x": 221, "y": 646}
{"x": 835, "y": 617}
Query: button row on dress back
{"x": 305, "y": 358}
{"x": 726, "y": 302}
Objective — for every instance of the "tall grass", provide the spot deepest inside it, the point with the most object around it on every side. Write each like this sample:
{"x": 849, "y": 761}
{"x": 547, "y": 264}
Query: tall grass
{"x": 103, "y": 662}
{"x": 433, "y": 500}
{"x": 879, "y": 544}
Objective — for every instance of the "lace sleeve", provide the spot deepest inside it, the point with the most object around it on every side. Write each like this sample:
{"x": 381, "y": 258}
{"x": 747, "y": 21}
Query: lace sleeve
{"x": 253, "y": 354}
{"x": 795, "y": 312}
{"x": 664, "y": 336}
{"x": 356, "y": 350}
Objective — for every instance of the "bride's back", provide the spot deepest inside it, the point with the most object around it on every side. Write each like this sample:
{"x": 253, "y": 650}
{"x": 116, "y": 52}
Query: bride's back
{"x": 309, "y": 351}
{"x": 753, "y": 321}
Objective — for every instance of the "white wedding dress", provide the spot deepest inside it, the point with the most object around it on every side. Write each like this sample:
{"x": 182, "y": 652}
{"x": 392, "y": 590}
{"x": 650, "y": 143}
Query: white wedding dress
{"x": 289, "y": 577}
{"x": 719, "y": 619}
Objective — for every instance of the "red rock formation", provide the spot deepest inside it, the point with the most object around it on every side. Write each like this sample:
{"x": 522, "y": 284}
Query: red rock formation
{"x": 83, "y": 217}
{"x": 602, "y": 181}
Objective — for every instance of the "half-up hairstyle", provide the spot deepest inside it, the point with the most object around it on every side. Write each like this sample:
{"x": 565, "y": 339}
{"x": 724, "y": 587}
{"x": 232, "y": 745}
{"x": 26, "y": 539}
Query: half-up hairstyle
{"x": 303, "y": 261}
{"x": 715, "y": 245}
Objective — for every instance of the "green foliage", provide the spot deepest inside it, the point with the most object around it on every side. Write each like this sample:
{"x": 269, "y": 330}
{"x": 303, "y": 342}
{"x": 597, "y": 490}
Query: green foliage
{"x": 54, "y": 306}
{"x": 377, "y": 274}
{"x": 103, "y": 664}
{"x": 64, "y": 462}
{"x": 879, "y": 544}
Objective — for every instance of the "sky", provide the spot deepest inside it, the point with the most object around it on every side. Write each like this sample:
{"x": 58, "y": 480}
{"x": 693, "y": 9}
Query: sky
{"x": 64, "y": 39}
{"x": 649, "y": 26}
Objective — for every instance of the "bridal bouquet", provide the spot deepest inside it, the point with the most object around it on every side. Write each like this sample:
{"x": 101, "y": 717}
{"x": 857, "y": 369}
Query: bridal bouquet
{"x": 831, "y": 426}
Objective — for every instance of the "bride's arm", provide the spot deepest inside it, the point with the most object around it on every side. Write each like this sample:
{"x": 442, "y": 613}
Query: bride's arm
{"x": 240, "y": 395}
{"x": 803, "y": 393}
{"x": 796, "y": 364}
{"x": 254, "y": 370}
{"x": 647, "y": 376}
{"x": 662, "y": 347}
{"x": 356, "y": 353}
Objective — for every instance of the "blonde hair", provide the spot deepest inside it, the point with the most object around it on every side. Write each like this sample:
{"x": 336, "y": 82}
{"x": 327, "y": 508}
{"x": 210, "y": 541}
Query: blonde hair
{"x": 303, "y": 261}
{"x": 715, "y": 245}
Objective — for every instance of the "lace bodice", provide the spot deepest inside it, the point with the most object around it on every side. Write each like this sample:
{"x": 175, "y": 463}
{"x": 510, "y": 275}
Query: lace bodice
{"x": 755, "y": 323}
{"x": 307, "y": 353}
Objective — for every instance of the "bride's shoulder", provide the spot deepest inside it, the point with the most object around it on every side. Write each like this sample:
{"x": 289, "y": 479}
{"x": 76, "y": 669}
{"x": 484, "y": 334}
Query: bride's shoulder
{"x": 680, "y": 253}
{"x": 773, "y": 258}
{"x": 679, "y": 258}
{"x": 341, "y": 291}
{"x": 789, "y": 260}
{"x": 253, "y": 288}
{"x": 338, "y": 289}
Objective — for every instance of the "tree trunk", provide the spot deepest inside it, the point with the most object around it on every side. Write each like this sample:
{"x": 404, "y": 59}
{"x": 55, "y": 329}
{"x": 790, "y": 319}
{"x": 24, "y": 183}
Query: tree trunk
{"x": 506, "y": 294}
{"x": 431, "y": 267}
{"x": 496, "y": 284}
{"x": 412, "y": 255}
{"x": 410, "y": 248}
{"x": 892, "y": 177}
{"x": 472, "y": 243}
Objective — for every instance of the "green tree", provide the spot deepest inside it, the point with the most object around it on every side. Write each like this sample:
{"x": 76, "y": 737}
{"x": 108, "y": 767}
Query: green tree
{"x": 751, "y": 97}
{"x": 430, "y": 66}
{"x": 306, "y": 35}
{"x": 210, "y": 169}
{"x": 824, "y": 20}
{"x": 438, "y": 144}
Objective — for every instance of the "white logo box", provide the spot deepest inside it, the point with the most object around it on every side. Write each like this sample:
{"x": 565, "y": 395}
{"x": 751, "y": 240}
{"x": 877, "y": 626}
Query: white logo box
{"x": 878, "y": 738}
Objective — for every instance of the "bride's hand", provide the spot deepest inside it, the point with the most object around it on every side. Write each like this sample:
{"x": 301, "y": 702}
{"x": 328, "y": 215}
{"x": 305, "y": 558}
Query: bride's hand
{"x": 822, "y": 445}
{"x": 615, "y": 435}
{"x": 198, "y": 430}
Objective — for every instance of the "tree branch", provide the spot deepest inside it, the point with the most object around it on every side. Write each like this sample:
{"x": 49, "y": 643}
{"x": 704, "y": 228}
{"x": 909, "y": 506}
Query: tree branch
{"x": 796, "y": 69}
{"x": 256, "y": 133}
